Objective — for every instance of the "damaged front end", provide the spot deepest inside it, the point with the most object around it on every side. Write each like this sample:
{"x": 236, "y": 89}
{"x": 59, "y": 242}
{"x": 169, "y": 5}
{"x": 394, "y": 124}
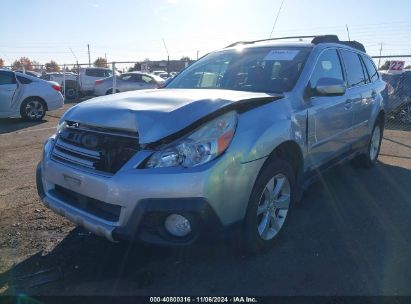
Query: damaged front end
{"x": 152, "y": 121}
{"x": 93, "y": 148}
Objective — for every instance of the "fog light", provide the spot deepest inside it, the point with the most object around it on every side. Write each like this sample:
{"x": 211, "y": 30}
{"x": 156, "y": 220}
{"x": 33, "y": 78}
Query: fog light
{"x": 177, "y": 225}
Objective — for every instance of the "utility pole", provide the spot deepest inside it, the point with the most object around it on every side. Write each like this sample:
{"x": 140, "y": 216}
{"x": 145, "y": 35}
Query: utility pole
{"x": 168, "y": 57}
{"x": 78, "y": 74}
{"x": 348, "y": 32}
{"x": 197, "y": 53}
{"x": 379, "y": 59}
{"x": 88, "y": 50}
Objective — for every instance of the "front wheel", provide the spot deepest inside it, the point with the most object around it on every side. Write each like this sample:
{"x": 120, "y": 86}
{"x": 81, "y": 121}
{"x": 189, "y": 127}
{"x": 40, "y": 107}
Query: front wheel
{"x": 33, "y": 109}
{"x": 269, "y": 205}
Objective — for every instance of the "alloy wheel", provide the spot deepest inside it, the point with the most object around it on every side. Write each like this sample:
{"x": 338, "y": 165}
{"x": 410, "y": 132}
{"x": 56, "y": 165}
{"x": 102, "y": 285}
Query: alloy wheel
{"x": 375, "y": 143}
{"x": 34, "y": 109}
{"x": 273, "y": 206}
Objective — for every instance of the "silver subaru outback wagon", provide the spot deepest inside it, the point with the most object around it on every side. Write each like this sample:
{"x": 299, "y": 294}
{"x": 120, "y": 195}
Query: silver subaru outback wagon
{"x": 233, "y": 139}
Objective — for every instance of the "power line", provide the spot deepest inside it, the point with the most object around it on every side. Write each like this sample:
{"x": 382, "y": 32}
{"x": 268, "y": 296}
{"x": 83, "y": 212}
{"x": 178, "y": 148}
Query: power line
{"x": 276, "y": 18}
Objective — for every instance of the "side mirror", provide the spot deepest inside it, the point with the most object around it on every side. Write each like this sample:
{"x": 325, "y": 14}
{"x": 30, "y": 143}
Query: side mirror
{"x": 329, "y": 87}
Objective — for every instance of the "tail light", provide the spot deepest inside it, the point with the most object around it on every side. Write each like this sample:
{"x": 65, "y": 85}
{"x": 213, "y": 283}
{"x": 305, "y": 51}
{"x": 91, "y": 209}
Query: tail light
{"x": 99, "y": 81}
{"x": 57, "y": 87}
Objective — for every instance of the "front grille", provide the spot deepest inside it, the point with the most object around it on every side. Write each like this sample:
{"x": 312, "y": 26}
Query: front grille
{"x": 94, "y": 148}
{"x": 90, "y": 205}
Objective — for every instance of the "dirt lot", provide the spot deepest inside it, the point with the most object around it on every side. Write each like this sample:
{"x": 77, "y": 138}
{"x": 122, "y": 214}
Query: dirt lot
{"x": 349, "y": 236}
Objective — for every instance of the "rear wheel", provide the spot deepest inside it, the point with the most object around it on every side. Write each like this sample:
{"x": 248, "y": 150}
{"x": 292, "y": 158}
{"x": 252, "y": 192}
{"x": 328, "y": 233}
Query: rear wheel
{"x": 269, "y": 205}
{"x": 369, "y": 159}
{"x": 405, "y": 114}
{"x": 33, "y": 109}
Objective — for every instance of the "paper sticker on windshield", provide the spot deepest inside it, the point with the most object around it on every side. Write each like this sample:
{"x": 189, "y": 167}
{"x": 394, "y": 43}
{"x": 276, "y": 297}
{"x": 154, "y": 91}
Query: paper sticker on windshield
{"x": 286, "y": 55}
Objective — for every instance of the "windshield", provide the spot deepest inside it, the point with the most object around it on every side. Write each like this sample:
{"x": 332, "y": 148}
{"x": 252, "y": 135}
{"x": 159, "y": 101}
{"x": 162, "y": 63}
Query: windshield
{"x": 265, "y": 69}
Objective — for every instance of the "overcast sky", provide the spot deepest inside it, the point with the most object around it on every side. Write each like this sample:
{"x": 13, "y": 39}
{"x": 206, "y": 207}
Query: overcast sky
{"x": 133, "y": 29}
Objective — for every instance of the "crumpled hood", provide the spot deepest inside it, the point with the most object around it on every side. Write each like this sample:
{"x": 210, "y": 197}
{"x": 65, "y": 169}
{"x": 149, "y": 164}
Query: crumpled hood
{"x": 155, "y": 114}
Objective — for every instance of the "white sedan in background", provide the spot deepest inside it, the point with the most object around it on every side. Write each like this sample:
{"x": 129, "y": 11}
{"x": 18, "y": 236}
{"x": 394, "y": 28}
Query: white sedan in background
{"x": 26, "y": 96}
{"x": 128, "y": 82}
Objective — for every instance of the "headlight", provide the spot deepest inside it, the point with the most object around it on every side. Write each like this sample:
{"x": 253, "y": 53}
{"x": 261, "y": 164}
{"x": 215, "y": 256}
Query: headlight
{"x": 61, "y": 126}
{"x": 201, "y": 146}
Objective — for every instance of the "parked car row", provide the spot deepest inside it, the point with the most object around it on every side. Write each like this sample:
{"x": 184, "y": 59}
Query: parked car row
{"x": 82, "y": 83}
{"x": 127, "y": 82}
{"x": 99, "y": 81}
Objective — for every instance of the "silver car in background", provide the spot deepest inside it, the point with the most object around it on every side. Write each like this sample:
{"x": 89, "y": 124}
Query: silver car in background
{"x": 127, "y": 82}
{"x": 22, "y": 95}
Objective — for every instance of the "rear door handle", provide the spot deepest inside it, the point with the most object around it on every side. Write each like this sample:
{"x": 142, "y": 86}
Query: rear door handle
{"x": 373, "y": 95}
{"x": 348, "y": 104}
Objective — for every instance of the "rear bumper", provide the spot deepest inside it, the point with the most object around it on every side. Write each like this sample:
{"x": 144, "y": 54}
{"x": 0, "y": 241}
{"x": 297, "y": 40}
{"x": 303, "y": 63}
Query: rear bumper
{"x": 100, "y": 90}
{"x": 56, "y": 103}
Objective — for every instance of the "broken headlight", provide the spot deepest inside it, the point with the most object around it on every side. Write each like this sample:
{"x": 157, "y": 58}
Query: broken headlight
{"x": 201, "y": 146}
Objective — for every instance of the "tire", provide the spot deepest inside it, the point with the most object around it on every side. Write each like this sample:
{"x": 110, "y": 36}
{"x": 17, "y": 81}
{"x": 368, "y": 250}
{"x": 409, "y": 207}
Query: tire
{"x": 263, "y": 221}
{"x": 33, "y": 109}
{"x": 369, "y": 159}
{"x": 71, "y": 88}
{"x": 109, "y": 91}
{"x": 405, "y": 114}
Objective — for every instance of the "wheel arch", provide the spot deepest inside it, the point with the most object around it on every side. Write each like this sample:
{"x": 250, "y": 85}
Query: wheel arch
{"x": 291, "y": 152}
{"x": 381, "y": 117}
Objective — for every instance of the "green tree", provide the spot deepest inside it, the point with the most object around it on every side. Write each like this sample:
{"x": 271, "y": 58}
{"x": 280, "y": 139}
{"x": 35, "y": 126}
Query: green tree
{"x": 136, "y": 67}
{"x": 52, "y": 66}
{"x": 385, "y": 66}
{"x": 185, "y": 58}
{"x": 100, "y": 62}
{"x": 23, "y": 62}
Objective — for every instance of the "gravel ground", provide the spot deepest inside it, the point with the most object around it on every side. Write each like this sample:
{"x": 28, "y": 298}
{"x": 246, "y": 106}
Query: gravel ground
{"x": 349, "y": 236}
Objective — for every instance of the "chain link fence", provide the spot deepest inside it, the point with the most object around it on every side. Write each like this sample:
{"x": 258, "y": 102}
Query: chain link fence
{"x": 396, "y": 72}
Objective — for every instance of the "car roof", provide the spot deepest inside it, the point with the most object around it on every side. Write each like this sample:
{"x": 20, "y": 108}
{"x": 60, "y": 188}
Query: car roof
{"x": 96, "y": 68}
{"x": 297, "y": 44}
{"x": 317, "y": 41}
{"x": 29, "y": 76}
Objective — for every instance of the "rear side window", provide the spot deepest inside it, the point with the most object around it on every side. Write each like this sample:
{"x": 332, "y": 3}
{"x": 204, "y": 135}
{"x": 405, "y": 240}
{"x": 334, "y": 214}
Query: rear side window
{"x": 372, "y": 71}
{"x": 7, "y": 78}
{"x": 147, "y": 79}
{"x": 328, "y": 66}
{"x": 136, "y": 78}
{"x": 126, "y": 77}
{"x": 23, "y": 80}
{"x": 353, "y": 68}
{"x": 98, "y": 73}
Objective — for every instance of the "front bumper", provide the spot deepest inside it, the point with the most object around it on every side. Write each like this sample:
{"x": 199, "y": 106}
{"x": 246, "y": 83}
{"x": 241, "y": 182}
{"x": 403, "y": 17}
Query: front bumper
{"x": 146, "y": 220}
{"x": 133, "y": 203}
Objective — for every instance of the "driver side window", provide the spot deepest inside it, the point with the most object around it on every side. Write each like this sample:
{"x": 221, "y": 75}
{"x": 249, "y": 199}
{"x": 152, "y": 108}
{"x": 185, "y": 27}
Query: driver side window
{"x": 328, "y": 66}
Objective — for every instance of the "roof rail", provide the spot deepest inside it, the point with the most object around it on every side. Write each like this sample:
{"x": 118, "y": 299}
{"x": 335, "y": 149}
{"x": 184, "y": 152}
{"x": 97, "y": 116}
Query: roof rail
{"x": 316, "y": 40}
